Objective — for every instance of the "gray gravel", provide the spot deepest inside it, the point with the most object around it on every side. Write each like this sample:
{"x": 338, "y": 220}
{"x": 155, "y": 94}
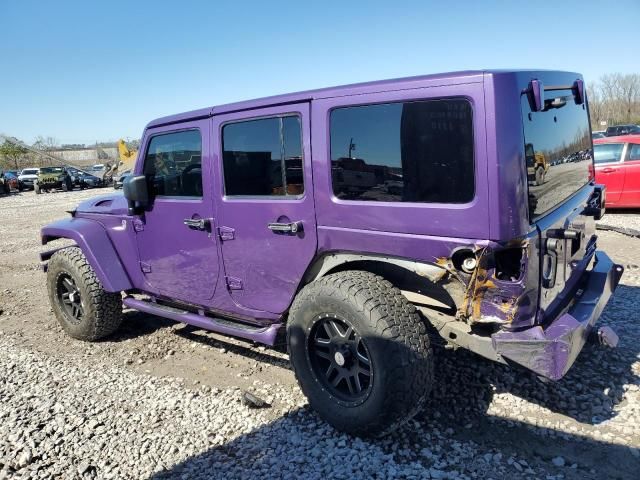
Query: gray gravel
{"x": 628, "y": 220}
{"x": 139, "y": 406}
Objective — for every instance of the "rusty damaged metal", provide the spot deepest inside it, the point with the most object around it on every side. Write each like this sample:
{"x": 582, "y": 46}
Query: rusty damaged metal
{"x": 488, "y": 299}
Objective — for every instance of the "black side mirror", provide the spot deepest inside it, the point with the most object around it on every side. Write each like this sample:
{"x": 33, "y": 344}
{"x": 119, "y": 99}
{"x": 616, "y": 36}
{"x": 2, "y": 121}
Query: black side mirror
{"x": 135, "y": 191}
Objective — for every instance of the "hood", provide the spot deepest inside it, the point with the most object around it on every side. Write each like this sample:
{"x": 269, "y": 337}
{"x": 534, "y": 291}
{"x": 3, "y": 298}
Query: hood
{"x": 110, "y": 204}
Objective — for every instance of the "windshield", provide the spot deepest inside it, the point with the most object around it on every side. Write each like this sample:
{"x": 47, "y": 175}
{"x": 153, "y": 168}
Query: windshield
{"x": 51, "y": 170}
{"x": 558, "y": 150}
{"x": 30, "y": 171}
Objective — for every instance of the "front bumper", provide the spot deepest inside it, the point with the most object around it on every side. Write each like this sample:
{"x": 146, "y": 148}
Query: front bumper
{"x": 550, "y": 351}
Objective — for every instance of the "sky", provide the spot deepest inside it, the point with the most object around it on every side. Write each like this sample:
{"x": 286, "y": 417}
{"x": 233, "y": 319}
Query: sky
{"x": 87, "y": 71}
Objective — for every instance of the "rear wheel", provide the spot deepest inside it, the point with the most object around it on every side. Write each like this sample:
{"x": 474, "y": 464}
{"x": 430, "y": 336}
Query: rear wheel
{"x": 360, "y": 352}
{"x": 81, "y": 305}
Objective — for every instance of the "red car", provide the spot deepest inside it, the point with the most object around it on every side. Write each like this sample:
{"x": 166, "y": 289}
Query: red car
{"x": 617, "y": 162}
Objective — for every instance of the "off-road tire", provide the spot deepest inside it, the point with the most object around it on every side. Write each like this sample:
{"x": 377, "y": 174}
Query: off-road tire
{"x": 540, "y": 174}
{"x": 102, "y": 310}
{"x": 396, "y": 339}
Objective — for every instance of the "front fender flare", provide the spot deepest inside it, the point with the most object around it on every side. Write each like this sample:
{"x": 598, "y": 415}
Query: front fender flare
{"x": 94, "y": 242}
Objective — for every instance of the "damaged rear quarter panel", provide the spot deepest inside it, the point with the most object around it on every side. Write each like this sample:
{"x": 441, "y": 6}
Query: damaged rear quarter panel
{"x": 495, "y": 297}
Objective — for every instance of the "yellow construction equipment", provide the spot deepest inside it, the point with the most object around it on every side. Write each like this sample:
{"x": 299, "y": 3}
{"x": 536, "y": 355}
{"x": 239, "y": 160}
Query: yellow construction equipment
{"x": 126, "y": 160}
{"x": 127, "y": 157}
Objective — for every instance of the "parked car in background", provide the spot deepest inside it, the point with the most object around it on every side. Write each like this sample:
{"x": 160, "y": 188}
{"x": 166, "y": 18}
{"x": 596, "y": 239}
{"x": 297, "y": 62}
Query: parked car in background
{"x": 81, "y": 179}
{"x": 53, "y": 178}
{"x": 617, "y": 165}
{"x": 618, "y": 130}
{"x": 28, "y": 176}
{"x": 12, "y": 179}
{"x": 5, "y": 187}
{"x": 119, "y": 180}
{"x": 86, "y": 180}
{"x": 100, "y": 171}
{"x": 599, "y": 134}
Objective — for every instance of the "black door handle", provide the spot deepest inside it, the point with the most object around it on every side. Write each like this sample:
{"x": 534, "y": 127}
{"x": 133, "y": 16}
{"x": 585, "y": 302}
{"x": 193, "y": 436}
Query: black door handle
{"x": 293, "y": 227}
{"x": 198, "y": 223}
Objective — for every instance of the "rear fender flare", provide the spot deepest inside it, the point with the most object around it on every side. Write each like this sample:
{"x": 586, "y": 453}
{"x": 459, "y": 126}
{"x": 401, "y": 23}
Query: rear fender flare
{"x": 94, "y": 242}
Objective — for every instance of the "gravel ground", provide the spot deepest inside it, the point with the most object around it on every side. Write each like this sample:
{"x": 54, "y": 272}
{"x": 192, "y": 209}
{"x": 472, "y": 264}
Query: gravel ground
{"x": 625, "y": 220}
{"x": 163, "y": 400}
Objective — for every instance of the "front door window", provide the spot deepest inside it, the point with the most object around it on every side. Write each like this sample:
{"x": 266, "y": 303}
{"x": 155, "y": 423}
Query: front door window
{"x": 173, "y": 164}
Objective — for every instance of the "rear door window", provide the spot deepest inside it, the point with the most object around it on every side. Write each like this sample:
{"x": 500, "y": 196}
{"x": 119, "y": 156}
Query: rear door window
{"x": 634, "y": 151}
{"x": 557, "y": 149}
{"x": 263, "y": 157}
{"x": 607, "y": 152}
{"x": 173, "y": 164}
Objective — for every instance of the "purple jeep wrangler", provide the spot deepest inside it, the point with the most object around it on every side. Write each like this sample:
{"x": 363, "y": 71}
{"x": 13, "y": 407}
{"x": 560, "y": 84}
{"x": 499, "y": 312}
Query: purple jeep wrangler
{"x": 361, "y": 219}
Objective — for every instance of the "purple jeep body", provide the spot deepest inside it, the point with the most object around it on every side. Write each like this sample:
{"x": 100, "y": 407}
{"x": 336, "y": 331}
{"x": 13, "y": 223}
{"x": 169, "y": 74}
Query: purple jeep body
{"x": 238, "y": 270}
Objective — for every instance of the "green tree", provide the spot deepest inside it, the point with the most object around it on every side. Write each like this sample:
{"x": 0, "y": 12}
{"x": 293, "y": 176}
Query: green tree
{"x": 12, "y": 152}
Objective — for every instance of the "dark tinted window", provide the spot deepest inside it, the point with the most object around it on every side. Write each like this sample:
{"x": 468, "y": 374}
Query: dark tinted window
{"x": 607, "y": 152}
{"x": 263, "y": 157}
{"x": 403, "y": 152}
{"x": 557, "y": 150}
{"x": 173, "y": 164}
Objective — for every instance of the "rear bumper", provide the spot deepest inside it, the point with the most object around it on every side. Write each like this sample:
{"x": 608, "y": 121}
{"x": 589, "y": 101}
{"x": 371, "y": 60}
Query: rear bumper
{"x": 550, "y": 351}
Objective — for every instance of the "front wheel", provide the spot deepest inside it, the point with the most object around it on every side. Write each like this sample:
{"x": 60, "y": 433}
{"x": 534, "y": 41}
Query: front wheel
{"x": 360, "y": 352}
{"x": 82, "y": 306}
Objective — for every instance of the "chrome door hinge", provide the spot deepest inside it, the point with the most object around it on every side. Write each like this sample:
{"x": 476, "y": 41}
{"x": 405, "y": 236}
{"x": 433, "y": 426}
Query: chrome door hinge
{"x": 233, "y": 283}
{"x": 226, "y": 233}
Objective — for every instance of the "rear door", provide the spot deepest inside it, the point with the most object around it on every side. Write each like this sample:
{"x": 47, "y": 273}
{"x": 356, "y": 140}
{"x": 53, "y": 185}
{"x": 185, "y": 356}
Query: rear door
{"x": 609, "y": 168}
{"x": 630, "y": 196}
{"x": 561, "y": 132}
{"x": 267, "y": 217}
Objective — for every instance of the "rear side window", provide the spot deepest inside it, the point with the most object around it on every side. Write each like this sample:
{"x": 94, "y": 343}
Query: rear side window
{"x": 607, "y": 152}
{"x": 404, "y": 152}
{"x": 634, "y": 151}
{"x": 263, "y": 157}
{"x": 173, "y": 164}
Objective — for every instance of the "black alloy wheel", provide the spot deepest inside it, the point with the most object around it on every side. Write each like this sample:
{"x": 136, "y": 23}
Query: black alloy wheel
{"x": 69, "y": 298}
{"x": 340, "y": 360}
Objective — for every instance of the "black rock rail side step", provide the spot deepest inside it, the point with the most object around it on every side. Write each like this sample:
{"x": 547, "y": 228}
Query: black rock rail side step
{"x": 265, "y": 335}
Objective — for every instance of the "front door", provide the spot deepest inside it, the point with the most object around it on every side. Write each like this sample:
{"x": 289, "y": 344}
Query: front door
{"x": 267, "y": 218}
{"x": 176, "y": 236}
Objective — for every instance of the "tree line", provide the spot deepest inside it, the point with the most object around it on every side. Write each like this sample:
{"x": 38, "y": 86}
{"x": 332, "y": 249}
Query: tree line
{"x": 614, "y": 99}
